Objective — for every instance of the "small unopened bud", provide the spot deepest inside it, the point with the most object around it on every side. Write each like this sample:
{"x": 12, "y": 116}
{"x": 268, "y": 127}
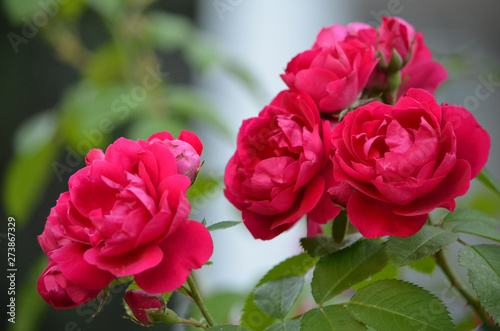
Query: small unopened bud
{"x": 397, "y": 62}
{"x": 142, "y": 305}
{"x": 188, "y": 160}
{"x": 164, "y": 315}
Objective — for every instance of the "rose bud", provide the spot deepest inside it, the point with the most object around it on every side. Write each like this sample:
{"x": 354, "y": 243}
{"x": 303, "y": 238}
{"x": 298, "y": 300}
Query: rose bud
{"x": 148, "y": 309}
{"x": 58, "y": 291}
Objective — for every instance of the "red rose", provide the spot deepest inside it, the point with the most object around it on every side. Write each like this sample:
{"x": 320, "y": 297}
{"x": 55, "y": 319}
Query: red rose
{"x": 333, "y": 76}
{"x": 395, "y": 34}
{"x": 58, "y": 291}
{"x": 418, "y": 70}
{"x": 421, "y": 71}
{"x": 327, "y": 37}
{"x": 274, "y": 176}
{"x": 406, "y": 160}
{"x": 126, "y": 213}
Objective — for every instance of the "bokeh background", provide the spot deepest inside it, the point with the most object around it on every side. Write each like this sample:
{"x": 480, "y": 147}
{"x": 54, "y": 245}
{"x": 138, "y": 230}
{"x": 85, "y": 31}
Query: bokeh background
{"x": 77, "y": 74}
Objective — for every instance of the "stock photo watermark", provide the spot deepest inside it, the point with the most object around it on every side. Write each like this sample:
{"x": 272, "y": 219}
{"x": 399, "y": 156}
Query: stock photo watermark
{"x": 31, "y": 27}
{"x": 11, "y": 269}
{"x": 224, "y": 6}
{"x": 484, "y": 89}
{"x": 394, "y": 8}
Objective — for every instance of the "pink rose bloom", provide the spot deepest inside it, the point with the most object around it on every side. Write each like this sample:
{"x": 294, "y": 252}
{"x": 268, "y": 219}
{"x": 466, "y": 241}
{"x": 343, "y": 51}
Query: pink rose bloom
{"x": 126, "y": 213}
{"x": 333, "y": 76}
{"x": 275, "y": 176}
{"x": 138, "y": 301}
{"x": 421, "y": 71}
{"x": 58, "y": 291}
{"x": 406, "y": 160}
{"x": 327, "y": 37}
{"x": 418, "y": 70}
{"x": 395, "y": 34}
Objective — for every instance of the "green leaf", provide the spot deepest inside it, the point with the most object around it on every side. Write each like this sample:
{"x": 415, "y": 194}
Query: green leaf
{"x": 339, "y": 271}
{"x": 26, "y": 178}
{"x": 478, "y": 229}
{"x": 253, "y": 317}
{"x": 227, "y": 327}
{"x": 339, "y": 227}
{"x": 485, "y": 327}
{"x": 389, "y": 272}
{"x": 298, "y": 265}
{"x": 471, "y": 221}
{"x": 396, "y": 305}
{"x": 276, "y": 297}
{"x": 334, "y": 318}
{"x": 489, "y": 181}
{"x": 323, "y": 245}
{"x": 222, "y": 225}
{"x": 483, "y": 266}
{"x": 427, "y": 241}
{"x": 425, "y": 265}
{"x": 290, "y": 325}
{"x": 471, "y": 216}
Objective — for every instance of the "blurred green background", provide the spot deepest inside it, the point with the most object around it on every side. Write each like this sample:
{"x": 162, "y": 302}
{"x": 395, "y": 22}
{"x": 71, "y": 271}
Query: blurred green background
{"x": 77, "y": 74}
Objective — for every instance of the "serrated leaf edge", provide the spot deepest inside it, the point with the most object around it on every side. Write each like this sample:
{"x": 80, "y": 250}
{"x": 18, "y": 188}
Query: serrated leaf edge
{"x": 423, "y": 243}
{"x": 250, "y": 299}
{"x": 404, "y": 282}
{"x": 357, "y": 265}
{"x": 468, "y": 272}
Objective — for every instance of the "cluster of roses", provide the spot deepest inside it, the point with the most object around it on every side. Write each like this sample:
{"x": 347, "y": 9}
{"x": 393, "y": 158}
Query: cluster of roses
{"x": 125, "y": 214}
{"x": 358, "y": 129}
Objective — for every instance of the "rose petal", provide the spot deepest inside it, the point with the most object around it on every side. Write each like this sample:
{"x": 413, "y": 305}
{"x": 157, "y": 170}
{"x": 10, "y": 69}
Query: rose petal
{"x": 76, "y": 269}
{"x": 375, "y": 218}
{"x": 188, "y": 248}
{"x": 473, "y": 142}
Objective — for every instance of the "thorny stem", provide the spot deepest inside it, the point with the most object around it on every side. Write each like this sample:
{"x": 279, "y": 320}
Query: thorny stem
{"x": 457, "y": 283}
{"x": 199, "y": 301}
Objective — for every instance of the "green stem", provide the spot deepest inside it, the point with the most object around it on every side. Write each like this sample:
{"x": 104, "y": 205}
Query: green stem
{"x": 193, "y": 323}
{"x": 199, "y": 301}
{"x": 457, "y": 283}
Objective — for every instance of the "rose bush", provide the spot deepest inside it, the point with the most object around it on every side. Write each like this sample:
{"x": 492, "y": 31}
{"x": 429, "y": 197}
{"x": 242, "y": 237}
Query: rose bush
{"x": 275, "y": 175}
{"x": 126, "y": 213}
{"x": 388, "y": 164}
{"x": 404, "y": 161}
